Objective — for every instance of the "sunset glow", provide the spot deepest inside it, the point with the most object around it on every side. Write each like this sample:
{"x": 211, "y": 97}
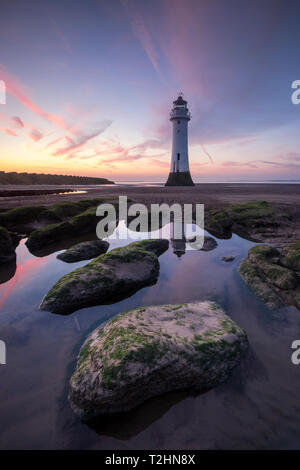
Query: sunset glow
{"x": 89, "y": 88}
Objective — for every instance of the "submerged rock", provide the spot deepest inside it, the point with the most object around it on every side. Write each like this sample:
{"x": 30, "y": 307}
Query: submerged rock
{"x": 148, "y": 351}
{"x": 84, "y": 250}
{"x": 265, "y": 272}
{"x": 228, "y": 259}
{"x": 108, "y": 278}
{"x": 209, "y": 243}
{"x": 7, "y": 248}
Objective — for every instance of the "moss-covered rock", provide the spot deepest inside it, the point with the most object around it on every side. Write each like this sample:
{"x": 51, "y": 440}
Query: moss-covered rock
{"x": 20, "y": 216}
{"x": 149, "y": 351}
{"x": 246, "y": 219}
{"x": 108, "y": 278}
{"x": 7, "y": 249}
{"x": 84, "y": 222}
{"x": 291, "y": 256}
{"x": 84, "y": 250}
{"x": 47, "y": 235}
{"x": 265, "y": 272}
{"x": 32, "y": 217}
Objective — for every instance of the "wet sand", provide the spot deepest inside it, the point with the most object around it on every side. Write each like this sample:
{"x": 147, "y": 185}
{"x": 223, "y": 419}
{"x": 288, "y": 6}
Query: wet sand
{"x": 216, "y": 195}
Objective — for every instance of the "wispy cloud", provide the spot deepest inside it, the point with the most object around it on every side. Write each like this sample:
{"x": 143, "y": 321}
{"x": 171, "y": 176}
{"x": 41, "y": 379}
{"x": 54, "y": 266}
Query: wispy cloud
{"x": 141, "y": 31}
{"x": 160, "y": 163}
{"x": 9, "y": 132}
{"x": 79, "y": 142}
{"x": 62, "y": 37}
{"x": 206, "y": 153}
{"x": 15, "y": 88}
{"x": 294, "y": 156}
{"x": 256, "y": 163}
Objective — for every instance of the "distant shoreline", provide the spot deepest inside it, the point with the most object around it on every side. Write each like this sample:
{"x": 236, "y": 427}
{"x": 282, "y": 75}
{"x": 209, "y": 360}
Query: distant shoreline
{"x": 14, "y": 178}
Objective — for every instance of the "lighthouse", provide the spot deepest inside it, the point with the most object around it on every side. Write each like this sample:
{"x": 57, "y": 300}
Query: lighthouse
{"x": 180, "y": 171}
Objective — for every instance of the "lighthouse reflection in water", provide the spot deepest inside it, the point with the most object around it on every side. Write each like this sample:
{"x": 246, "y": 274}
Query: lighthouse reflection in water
{"x": 178, "y": 244}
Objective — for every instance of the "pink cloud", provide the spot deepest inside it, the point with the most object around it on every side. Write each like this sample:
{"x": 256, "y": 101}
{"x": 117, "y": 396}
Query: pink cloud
{"x": 53, "y": 142}
{"x": 9, "y": 132}
{"x": 35, "y": 135}
{"x": 160, "y": 163}
{"x": 17, "y": 122}
{"x": 80, "y": 141}
{"x": 255, "y": 164}
{"x": 15, "y": 88}
{"x": 231, "y": 163}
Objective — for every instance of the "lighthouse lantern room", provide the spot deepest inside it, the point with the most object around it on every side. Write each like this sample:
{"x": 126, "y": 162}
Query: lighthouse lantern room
{"x": 179, "y": 171}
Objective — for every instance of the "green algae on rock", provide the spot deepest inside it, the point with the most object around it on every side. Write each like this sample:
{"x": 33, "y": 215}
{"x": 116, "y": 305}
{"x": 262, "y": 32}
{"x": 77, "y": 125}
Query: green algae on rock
{"x": 251, "y": 219}
{"x": 265, "y": 271}
{"x": 33, "y": 217}
{"x": 108, "y": 278}
{"x": 148, "y": 351}
{"x": 84, "y": 250}
{"x": 84, "y": 222}
{"x": 20, "y": 216}
{"x": 291, "y": 256}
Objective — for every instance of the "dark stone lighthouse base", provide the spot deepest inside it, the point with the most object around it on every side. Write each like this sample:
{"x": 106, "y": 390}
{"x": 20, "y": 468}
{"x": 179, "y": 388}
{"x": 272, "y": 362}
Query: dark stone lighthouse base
{"x": 180, "y": 179}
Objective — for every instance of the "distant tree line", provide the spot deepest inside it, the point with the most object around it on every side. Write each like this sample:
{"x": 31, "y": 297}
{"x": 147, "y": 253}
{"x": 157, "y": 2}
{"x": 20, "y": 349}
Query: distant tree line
{"x": 41, "y": 178}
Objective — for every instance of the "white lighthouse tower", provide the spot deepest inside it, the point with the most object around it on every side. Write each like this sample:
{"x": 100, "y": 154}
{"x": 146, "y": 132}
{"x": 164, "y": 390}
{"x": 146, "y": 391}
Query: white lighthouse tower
{"x": 180, "y": 171}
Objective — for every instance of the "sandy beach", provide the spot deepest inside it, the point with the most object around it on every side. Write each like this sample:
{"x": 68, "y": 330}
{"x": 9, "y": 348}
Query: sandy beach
{"x": 213, "y": 195}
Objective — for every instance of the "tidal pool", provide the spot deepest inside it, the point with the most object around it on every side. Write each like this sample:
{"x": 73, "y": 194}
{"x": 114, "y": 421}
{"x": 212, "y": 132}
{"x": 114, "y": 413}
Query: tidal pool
{"x": 257, "y": 408}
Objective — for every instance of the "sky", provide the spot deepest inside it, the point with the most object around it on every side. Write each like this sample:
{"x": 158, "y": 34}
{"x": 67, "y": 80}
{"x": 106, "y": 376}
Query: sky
{"x": 89, "y": 87}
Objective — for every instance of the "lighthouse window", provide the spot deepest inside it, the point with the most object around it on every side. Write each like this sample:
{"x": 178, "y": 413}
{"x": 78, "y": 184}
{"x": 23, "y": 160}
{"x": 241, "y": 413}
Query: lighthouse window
{"x": 178, "y": 122}
{"x": 178, "y": 156}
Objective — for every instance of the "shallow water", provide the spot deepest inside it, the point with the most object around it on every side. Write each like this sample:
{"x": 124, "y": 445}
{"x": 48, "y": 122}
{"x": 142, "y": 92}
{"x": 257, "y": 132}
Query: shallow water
{"x": 257, "y": 408}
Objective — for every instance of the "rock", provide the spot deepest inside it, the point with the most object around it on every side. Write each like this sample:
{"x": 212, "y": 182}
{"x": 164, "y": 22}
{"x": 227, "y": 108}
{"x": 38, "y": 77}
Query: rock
{"x": 228, "y": 259}
{"x": 7, "y": 249}
{"x": 47, "y": 235}
{"x": 84, "y": 250}
{"x": 291, "y": 256}
{"x": 255, "y": 220}
{"x": 146, "y": 352}
{"x": 108, "y": 278}
{"x": 20, "y": 216}
{"x": 82, "y": 223}
{"x": 264, "y": 272}
{"x": 209, "y": 244}
{"x": 33, "y": 216}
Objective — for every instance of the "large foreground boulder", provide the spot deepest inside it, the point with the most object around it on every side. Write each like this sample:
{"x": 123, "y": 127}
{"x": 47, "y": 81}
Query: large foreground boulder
{"x": 108, "y": 278}
{"x": 149, "y": 351}
{"x": 7, "y": 248}
{"x": 268, "y": 272}
{"x": 84, "y": 250}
